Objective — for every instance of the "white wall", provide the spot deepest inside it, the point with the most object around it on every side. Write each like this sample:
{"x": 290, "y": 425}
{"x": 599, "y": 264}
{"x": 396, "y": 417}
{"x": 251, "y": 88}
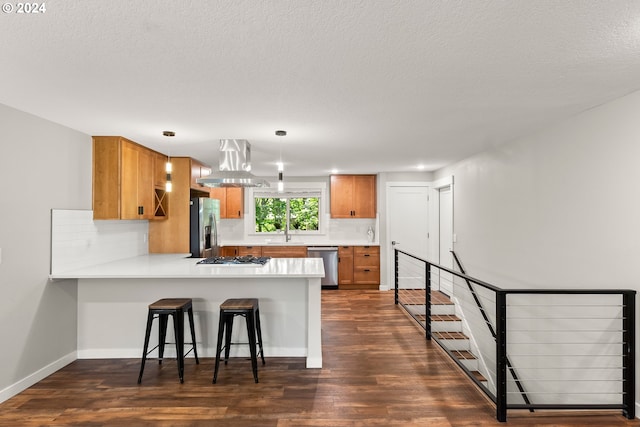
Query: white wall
{"x": 77, "y": 241}
{"x": 557, "y": 209}
{"x": 42, "y": 166}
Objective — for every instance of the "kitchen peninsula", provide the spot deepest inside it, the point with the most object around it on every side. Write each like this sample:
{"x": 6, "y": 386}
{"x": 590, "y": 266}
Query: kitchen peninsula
{"x": 113, "y": 299}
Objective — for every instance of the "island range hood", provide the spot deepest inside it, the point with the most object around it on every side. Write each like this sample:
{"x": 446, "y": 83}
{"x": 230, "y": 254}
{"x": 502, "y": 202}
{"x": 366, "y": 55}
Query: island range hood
{"x": 235, "y": 167}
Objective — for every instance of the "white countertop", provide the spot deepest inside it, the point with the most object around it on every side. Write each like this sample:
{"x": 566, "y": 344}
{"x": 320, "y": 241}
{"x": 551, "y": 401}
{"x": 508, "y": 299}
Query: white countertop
{"x": 179, "y": 266}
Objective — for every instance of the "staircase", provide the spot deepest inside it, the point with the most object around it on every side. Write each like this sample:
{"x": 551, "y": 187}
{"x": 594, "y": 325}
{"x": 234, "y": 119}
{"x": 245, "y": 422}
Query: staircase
{"x": 447, "y": 328}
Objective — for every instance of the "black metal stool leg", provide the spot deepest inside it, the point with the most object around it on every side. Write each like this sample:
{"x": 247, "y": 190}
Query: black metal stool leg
{"x": 221, "y": 324}
{"x": 259, "y": 329}
{"x": 162, "y": 335}
{"x": 178, "y": 331}
{"x": 227, "y": 335}
{"x": 193, "y": 334}
{"x": 251, "y": 331}
{"x": 146, "y": 345}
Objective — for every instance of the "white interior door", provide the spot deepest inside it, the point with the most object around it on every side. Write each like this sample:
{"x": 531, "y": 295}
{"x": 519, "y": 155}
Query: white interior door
{"x": 445, "y": 234}
{"x": 407, "y": 222}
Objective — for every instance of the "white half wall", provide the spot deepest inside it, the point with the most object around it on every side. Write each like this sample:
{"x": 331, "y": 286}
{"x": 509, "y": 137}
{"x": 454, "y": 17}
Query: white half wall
{"x": 43, "y": 166}
{"x": 560, "y": 208}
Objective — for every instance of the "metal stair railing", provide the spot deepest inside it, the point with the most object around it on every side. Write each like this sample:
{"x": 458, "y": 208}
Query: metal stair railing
{"x": 555, "y": 337}
{"x": 510, "y": 367}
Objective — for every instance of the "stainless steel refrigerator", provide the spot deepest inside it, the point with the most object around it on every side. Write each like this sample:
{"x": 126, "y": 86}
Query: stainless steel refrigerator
{"x": 203, "y": 230}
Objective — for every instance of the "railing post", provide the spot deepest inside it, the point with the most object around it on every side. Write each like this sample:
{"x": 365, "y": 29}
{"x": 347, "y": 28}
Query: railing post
{"x": 501, "y": 356}
{"x": 427, "y": 299}
{"x": 395, "y": 261}
{"x": 629, "y": 353}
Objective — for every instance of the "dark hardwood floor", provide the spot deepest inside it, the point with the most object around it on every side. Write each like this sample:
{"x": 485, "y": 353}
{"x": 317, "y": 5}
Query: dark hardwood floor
{"x": 378, "y": 371}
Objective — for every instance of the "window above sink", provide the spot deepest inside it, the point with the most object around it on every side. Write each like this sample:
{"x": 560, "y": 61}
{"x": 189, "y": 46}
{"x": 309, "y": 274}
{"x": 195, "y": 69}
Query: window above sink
{"x": 282, "y": 217}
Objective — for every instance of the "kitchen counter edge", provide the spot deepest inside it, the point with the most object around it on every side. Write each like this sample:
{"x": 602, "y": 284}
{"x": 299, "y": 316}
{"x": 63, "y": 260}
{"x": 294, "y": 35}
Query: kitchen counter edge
{"x": 180, "y": 266}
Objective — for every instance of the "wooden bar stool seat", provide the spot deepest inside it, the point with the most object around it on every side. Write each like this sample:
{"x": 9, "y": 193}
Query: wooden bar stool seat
{"x": 250, "y": 310}
{"x": 162, "y": 309}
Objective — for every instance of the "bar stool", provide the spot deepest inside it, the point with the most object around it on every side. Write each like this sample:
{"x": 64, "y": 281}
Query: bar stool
{"x": 176, "y": 307}
{"x": 249, "y": 309}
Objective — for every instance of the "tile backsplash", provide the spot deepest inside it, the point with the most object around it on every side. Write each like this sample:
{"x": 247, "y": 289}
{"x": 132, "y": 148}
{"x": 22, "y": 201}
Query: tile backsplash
{"x": 77, "y": 241}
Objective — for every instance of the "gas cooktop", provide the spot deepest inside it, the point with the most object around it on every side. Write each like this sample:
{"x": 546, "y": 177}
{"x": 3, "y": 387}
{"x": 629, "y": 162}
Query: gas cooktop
{"x": 236, "y": 260}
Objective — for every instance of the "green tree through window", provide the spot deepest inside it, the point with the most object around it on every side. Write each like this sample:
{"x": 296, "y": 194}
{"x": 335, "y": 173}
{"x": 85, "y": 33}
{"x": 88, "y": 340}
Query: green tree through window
{"x": 297, "y": 213}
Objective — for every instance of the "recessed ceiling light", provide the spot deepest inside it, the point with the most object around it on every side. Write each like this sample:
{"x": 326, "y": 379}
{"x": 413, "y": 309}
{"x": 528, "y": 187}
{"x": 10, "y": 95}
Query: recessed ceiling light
{"x": 169, "y": 133}
{"x": 421, "y": 167}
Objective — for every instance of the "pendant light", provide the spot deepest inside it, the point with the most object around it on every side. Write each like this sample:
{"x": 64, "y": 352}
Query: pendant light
{"x": 168, "y": 167}
{"x": 281, "y": 133}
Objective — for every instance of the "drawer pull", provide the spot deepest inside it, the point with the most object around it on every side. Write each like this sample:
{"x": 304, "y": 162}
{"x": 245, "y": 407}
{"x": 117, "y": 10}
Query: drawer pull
{"x": 367, "y": 270}
{"x": 367, "y": 255}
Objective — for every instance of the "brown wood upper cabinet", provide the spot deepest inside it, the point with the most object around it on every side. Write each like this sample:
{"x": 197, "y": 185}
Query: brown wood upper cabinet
{"x": 353, "y": 196}
{"x": 172, "y": 235}
{"x": 125, "y": 182}
{"x": 199, "y": 170}
{"x": 231, "y": 201}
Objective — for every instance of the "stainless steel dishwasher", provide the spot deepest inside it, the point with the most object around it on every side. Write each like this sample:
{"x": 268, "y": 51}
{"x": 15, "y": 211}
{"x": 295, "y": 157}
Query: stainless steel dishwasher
{"x": 329, "y": 255}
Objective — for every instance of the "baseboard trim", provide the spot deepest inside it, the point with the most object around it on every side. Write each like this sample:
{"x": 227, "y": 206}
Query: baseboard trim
{"x": 10, "y": 391}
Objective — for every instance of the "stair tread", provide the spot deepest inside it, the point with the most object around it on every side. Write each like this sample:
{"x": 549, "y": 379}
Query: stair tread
{"x": 438, "y": 298}
{"x": 463, "y": 354}
{"x": 417, "y": 297}
{"x": 444, "y": 318}
{"x": 450, "y": 335}
{"x": 478, "y": 376}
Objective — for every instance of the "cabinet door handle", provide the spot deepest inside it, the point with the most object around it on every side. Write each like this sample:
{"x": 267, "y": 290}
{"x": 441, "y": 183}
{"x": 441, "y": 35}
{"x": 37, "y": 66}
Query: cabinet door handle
{"x": 140, "y": 210}
{"x": 238, "y": 214}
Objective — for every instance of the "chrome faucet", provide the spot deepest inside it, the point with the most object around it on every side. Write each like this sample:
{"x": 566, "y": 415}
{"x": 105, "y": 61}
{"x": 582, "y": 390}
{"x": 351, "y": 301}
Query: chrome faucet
{"x": 287, "y": 236}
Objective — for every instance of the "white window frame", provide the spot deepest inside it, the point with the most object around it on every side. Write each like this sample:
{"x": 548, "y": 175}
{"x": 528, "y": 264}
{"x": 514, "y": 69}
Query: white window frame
{"x": 290, "y": 189}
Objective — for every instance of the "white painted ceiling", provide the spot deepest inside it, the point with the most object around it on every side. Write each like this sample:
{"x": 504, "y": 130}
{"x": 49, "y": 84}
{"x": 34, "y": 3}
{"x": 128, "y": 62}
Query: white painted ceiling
{"x": 360, "y": 85}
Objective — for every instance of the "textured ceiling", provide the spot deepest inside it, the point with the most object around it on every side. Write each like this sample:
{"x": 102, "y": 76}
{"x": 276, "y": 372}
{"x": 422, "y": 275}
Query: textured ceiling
{"x": 362, "y": 86}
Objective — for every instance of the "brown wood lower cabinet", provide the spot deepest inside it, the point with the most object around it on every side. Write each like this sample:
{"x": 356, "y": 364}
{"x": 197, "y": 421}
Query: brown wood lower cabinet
{"x": 365, "y": 273}
{"x": 345, "y": 266}
{"x": 229, "y": 251}
{"x": 285, "y": 251}
{"x": 250, "y": 250}
{"x": 270, "y": 251}
{"x": 358, "y": 266}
